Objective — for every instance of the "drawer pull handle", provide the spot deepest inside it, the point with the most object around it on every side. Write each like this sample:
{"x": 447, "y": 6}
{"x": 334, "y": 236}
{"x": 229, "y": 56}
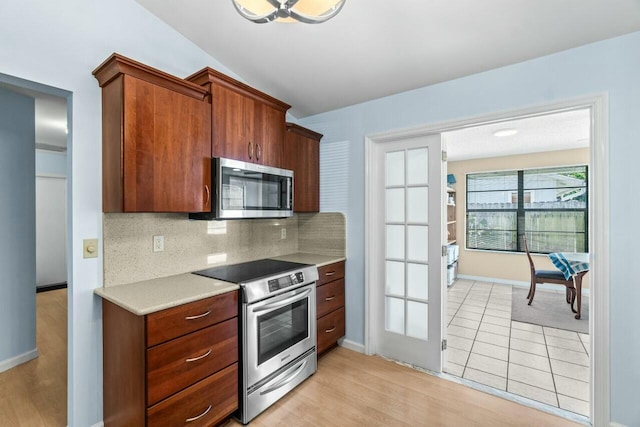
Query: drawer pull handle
{"x": 329, "y": 273}
{"x": 330, "y": 298}
{"x": 328, "y": 331}
{"x": 188, "y": 420}
{"x": 199, "y": 316}
{"x": 195, "y": 359}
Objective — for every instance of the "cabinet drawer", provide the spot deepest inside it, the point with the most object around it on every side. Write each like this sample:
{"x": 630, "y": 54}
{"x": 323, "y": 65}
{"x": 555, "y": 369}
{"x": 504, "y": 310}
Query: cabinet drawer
{"x": 330, "y": 329}
{"x": 211, "y": 399}
{"x": 177, "y": 321}
{"x": 330, "y": 272}
{"x": 330, "y": 297}
{"x": 179, "y": 363}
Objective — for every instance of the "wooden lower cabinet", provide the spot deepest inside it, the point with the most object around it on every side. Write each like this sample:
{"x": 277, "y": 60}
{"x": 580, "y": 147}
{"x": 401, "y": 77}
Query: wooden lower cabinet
{"x": 205, "y": 403}
{"x": 330, "y": 309}
{"x": 189, "y": 378}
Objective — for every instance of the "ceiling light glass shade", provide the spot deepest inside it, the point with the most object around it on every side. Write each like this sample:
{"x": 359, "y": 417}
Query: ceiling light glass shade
{"x": 307, "y": 11}
{"x": 505, "y": 132}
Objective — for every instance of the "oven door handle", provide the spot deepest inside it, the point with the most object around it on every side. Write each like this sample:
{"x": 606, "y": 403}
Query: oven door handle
{"x": 283, "y": 302}
{"x": 290, "y": 376}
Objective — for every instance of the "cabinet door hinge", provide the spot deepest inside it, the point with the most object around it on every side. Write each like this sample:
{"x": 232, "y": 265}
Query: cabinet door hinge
{"x": 444, "y": 345}
{"x": 444, "y": 156}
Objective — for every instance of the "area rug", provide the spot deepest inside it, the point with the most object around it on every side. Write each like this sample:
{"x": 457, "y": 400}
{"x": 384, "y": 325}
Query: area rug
{"x": 548, "y": 309}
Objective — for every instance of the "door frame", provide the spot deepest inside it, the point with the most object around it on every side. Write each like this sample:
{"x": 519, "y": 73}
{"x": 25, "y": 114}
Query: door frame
{"x": 599, "y": 220}
{"x": 68, "y": 96}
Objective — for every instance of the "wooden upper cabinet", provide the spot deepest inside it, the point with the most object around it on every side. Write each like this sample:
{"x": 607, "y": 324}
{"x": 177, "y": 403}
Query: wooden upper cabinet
{"x": 156, "y": 139}
{"x": 302, "y": 156}
{"x": 247, "y": 125}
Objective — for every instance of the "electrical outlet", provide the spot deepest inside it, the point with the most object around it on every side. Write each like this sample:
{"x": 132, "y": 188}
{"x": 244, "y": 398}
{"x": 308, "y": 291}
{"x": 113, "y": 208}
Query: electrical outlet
{"x": 158, "y": 243}
{"x": 283, "y": 233}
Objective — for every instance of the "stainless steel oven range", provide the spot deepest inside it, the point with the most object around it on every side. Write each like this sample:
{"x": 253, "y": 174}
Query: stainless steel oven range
{"x": 277, "y": 329}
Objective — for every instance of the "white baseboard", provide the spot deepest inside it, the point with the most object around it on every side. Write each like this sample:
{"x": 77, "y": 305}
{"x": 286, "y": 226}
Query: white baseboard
{"x": 520, "y": 284}
{"x": 100, "y": 424}
{"x": 352, "y": 345}
{"x": 5, "y": 365}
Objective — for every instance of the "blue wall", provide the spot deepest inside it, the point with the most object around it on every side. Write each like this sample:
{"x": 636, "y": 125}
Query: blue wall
{"x": 17, "y": 225}
{"x": 612, "y": 67}
{"x": 51, "y": 163}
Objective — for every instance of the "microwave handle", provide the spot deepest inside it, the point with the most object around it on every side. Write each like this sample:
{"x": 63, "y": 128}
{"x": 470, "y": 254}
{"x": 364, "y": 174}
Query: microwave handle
{"x": 283, "y": 302}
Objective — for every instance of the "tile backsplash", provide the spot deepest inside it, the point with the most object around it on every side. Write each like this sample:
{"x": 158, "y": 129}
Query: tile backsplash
{"x": 196, "y": 245}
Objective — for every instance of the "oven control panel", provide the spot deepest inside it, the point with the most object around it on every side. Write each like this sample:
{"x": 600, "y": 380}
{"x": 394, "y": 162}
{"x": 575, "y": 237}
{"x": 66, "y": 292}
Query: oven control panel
{"x": 286, "y": 281}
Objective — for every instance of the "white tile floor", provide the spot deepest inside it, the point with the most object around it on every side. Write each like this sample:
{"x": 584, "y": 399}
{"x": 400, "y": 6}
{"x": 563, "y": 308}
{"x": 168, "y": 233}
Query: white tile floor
{"x": 484, "y": 345}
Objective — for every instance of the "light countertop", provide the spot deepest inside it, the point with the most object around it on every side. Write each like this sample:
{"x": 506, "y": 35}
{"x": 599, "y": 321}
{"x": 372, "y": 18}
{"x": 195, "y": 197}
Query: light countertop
{"x": 154, "y": 295}
{"x": 307, "y": 258}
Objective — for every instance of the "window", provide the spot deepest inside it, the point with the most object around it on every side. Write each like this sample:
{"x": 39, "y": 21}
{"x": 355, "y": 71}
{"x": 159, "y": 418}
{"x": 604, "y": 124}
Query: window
{"x": 549, "y": 205}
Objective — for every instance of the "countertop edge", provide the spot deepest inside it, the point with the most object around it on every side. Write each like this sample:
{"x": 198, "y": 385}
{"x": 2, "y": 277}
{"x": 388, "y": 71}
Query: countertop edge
{"x": 159, "y": 307}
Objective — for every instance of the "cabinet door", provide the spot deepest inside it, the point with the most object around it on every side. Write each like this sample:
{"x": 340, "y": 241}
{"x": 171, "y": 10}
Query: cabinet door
{"x": 166, "y": 150}
{"x": 230, "y": 125}
{"x": 302, "y": 155}
{"x": 271, "y": 141}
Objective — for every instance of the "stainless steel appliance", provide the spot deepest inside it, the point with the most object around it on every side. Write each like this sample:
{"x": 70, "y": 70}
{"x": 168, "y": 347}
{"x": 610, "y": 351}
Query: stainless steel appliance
{"x": 278, "y": 328}
{"x": 249, "y": 190}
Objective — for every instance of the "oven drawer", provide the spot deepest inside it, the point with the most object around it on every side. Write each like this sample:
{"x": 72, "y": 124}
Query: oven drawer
{"x": 179, "y": 363}
{"x": 330, "y": 329}
{"x": 328, "y": 273}
{"x": 177, "y": 321}
{"x": 211, "y": 399}
{"x": 330, "y": 297}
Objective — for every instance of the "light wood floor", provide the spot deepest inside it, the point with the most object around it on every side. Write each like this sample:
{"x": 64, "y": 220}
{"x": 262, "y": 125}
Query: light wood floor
{"x": 34, "y": 394}
{"x": 351, "y": 389}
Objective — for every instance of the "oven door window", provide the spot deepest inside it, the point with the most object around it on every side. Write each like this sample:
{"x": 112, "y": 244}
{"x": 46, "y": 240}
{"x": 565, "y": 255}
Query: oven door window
{"x": 282, "y": 328}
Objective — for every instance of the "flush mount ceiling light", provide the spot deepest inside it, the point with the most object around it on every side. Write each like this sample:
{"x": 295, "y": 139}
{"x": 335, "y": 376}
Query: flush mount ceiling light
{"x": 505, "y": 132}
{"x": 307, "y": 11}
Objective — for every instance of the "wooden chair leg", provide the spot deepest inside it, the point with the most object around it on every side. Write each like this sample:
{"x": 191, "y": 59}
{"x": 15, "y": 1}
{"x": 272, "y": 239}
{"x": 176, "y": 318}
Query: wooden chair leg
{"x": 532, "y": 292}
{"x": 531, "y": 285}
{"x": 574, "y": 293}
{"x": 568, "y": 294}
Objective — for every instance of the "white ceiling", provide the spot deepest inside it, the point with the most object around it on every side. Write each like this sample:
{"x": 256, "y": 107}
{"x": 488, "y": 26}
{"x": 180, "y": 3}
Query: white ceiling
{"x": 552, "y": 132}
{"x": 375, "y": 48}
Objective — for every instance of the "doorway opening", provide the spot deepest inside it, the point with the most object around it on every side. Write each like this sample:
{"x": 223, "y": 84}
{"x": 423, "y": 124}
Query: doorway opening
{"x": 35, "y": 222}
{"x": 597, "y": 229}
{"x": 520, "y": 185}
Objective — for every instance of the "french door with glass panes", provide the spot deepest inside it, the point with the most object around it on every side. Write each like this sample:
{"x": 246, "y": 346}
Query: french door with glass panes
{"x": 405, "y": 260}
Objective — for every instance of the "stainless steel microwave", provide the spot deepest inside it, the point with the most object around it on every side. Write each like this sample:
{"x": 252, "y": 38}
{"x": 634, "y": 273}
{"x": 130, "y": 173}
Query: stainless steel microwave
{"x": 248, "y": 190}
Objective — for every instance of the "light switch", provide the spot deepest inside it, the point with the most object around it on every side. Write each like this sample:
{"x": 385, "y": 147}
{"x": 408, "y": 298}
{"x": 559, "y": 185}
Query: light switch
{"x": 90, "y": 248}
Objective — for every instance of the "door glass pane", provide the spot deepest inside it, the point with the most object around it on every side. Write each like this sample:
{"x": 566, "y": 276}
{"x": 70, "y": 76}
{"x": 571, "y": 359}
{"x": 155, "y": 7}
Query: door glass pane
{"x": 395, "y": 241}
{"x": 394, "y": 313}
{"x": 394, "y": 168}
{"x": 395, "y": 205}
{"x": 418, "y": 281}
{"x": 418, "y": 166}
{"x": 417, "y": 319}
{"x": 395, "y": 278}
{"x": 418, "y": 204}
{"x": 417, "y": 243}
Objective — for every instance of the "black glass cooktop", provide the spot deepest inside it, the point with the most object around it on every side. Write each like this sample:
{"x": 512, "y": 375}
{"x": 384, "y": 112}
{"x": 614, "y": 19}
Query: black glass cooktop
{"x": 249, "y": 271}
